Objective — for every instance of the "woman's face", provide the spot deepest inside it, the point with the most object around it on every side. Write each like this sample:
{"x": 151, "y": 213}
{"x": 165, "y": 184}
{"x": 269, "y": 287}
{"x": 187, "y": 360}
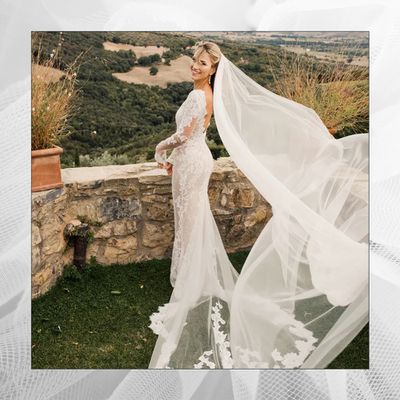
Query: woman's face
{"x": 202, "y": 67}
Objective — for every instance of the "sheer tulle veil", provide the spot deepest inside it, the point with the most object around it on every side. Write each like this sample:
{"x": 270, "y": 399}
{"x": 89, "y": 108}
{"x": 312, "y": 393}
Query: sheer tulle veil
{"x": 302, "y": 294}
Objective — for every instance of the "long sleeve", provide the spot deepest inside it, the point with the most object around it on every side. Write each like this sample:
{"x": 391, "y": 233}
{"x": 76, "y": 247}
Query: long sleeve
{"x": 171, "y": 158}
{"x": 192, "y": 112}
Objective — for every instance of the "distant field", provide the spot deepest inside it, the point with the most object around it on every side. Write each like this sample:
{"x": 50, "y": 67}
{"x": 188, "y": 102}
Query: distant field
{"x": 178, "y": 71}
{"x": 140, "y": 51}
{"x": 320, "y": 37}
{"x": 362, "y": 61}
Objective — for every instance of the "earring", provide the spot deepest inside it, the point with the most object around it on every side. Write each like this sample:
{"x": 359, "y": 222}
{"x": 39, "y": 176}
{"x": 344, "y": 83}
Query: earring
{"x": 209, "y": 79}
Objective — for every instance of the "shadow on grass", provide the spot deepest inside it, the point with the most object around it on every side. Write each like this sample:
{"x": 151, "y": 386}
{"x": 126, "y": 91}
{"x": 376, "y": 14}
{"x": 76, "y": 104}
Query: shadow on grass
{"x": 99, "y": 319}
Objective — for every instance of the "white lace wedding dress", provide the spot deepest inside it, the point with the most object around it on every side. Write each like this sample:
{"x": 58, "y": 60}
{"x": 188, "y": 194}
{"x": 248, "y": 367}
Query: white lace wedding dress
{"x": 302, "y": 294}
{"x": 193, "y": 165}
{"x": 201, "y": 272}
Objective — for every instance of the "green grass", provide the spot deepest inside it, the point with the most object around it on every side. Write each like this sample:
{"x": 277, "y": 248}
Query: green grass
{"x": 99, "y": 319}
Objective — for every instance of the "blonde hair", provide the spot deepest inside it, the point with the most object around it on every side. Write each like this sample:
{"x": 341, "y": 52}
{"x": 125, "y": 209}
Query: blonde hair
{"x": 213, "y": 50}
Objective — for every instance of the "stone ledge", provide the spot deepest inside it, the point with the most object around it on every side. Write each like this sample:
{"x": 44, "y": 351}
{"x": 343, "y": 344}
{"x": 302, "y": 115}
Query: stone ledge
{"x": 130, "y": 210}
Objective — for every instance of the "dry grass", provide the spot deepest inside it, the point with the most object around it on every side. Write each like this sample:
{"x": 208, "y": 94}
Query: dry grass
{"x": 53, "y": 94}
{"x": 331, "y": 89}
{"x": 47, "y": 73}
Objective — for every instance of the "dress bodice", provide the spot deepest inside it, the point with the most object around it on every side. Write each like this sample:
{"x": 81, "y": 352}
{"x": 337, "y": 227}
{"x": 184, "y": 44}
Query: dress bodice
{"x": 190, "y": 129}
{"x": 193, "y": 106}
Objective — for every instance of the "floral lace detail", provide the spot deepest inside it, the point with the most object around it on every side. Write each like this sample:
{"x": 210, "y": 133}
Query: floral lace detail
{"x": 186, "y": 201}
{"x": 189, "y": 120}
{"x": 221, "y": 337}
{"x": 158, "y": 327}
{"x": 193, "y": 164}
{"x": 252, "y": 359}
{"x": 204, "y": 360}
{"x": 220, "y": 341}
{"x": 305, "y": 347}
{"x": 157, "y": 321}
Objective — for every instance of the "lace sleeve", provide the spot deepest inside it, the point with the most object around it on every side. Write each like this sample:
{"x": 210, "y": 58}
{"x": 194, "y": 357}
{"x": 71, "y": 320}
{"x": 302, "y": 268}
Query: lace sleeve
{"x": 192, "y": 112}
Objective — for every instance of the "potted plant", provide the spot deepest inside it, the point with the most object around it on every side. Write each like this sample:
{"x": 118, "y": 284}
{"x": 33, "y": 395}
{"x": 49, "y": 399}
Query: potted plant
{"x": 53, "y": 92}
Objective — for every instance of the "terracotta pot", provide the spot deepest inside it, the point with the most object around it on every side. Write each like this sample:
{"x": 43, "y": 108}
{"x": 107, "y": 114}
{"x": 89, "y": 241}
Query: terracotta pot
{"x": 46, "y": 169}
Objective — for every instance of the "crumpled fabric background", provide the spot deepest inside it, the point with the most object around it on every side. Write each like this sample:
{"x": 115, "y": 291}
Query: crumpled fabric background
{"x": 18, "y": 18}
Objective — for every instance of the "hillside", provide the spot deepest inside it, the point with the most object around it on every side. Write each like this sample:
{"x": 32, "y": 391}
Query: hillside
{"x": 128, "y": 116}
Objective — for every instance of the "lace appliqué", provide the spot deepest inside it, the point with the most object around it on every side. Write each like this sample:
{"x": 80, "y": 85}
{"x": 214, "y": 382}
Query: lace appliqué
{"x": 305, "y": 347}
{"x": 186, "y": 142}
{"x": 189, "y": 121}
{"x": 157, "y": 321}
{"x": 205, "y": 361}
{"x": 252, "y": 359}
{"x": 158, "y": 327}
{"x": 249, "y": 358}
{"x": 221, "y": 337}
{"x": 194, "y": 164}
{"x": 220, "y": 340}
{"x": 186, "y": 202}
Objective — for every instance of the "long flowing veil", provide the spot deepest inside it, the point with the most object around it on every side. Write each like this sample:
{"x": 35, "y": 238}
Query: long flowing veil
{"x": 302, "y": 295}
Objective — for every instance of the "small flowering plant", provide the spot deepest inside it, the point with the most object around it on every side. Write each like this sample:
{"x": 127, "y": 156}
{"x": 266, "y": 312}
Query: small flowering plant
{"x": 53, "y": 92}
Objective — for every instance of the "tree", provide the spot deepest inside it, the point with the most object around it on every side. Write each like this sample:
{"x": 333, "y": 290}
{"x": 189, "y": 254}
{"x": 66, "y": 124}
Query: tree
{"x": 155, "y": 58}
{"x": 144, "y": 60}
{"x": 153, "y": 70}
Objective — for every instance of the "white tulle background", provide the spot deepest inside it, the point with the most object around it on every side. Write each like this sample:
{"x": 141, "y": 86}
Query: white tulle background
{"x": 18, "y": 18}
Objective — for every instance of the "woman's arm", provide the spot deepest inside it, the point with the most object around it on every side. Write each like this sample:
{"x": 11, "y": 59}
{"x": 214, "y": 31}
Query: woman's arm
{"x": 175, "y": 140}
{"x": 191, "y": 114}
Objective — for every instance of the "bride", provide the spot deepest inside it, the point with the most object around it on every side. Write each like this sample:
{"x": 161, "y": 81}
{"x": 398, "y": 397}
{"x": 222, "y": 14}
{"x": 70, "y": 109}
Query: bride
{"x": 302, "y": 295}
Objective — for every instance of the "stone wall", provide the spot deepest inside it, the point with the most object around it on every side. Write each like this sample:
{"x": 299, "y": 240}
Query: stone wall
{"x": 130, "y": 211}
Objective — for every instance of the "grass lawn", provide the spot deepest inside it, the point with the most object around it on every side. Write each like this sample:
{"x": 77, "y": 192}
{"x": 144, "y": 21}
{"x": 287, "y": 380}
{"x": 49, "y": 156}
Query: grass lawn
{"x": 99, "y": 319}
